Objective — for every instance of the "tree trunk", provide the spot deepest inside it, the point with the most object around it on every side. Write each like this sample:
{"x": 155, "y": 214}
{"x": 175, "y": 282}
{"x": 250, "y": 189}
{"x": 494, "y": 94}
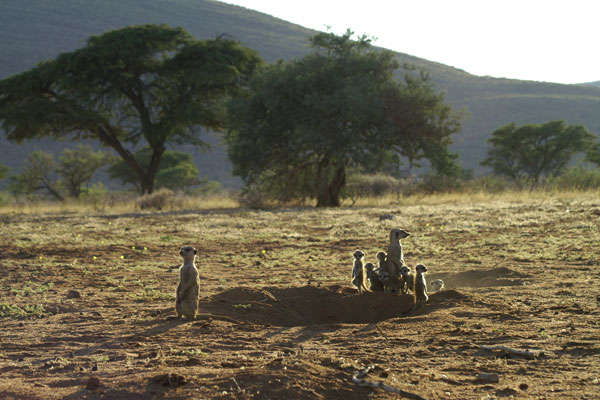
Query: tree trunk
{"x": 328, "y": 194}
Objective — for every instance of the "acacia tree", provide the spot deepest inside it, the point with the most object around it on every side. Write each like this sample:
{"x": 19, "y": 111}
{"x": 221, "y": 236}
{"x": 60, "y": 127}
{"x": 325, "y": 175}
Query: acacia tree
{"x": 3, "y": 171}
{"x": 77, "y": 166}
{"x": 532, "y": 151}
{"x": 150, "y": 83}
{"x": 305, "y": 122}
{"x": 592, "y": 153}
{"x": 176, "y": 170}
{"x": 72, "y": 174}
{"x": 39, "y": 174}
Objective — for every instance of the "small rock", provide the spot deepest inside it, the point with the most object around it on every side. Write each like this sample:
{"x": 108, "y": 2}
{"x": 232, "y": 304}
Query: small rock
{"x": 93, "y": 383}
{"x": 523, "y": 386}
{"x": 489, "y": 377}
{"x": 386, "y": 217}
{"x": 73, "y": 294}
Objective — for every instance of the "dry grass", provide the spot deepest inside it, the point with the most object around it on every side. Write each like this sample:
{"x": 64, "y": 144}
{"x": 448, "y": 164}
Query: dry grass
{"x": 230, "y": 201}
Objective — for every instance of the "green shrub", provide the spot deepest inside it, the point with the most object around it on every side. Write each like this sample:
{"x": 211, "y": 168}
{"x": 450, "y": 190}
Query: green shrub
{"x": 578, "y": 177}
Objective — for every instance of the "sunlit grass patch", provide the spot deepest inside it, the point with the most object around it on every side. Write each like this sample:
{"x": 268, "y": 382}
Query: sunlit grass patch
{"x": 22, "y": 311}
{"x": 151, "y": 294}
{"x": 30, "y": 288}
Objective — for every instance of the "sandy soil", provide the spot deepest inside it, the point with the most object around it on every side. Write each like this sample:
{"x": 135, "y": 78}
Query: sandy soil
{"x": 86, "y": 304}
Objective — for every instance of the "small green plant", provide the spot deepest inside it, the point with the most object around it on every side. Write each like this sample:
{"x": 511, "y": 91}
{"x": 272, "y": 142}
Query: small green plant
{"x": 26, "y": 311}
{"x": 152, "y": 294}
{"x": 242, "y": 306}
{"x": 30, "y": 289}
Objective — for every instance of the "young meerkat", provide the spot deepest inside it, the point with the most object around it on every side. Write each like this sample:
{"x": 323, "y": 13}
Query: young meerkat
{"x": 189, "y": 286}
{"x": 437, "y": 285}
{"x": 375, "y": 284}
{"x": 382, "y": 271}
{"x": 358, "y": 275}
{"x": 420, "y": 286}
{"x": 405, "y": 279}
{"x": 395, "y": 257}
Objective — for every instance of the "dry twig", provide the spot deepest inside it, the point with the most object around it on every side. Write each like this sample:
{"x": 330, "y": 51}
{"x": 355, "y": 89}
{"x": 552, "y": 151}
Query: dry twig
{"x": 524, "y": 353}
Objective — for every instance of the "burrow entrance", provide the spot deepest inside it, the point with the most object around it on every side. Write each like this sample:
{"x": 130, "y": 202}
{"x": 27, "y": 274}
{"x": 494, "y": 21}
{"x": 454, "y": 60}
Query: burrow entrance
{"x": 315, "y": 305}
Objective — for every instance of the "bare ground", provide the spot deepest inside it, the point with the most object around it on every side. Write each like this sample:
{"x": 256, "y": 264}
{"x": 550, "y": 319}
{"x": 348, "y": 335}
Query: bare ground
{"x": 86, "y": 304}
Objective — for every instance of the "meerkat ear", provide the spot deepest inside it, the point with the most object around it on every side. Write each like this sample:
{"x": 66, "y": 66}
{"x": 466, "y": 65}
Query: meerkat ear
{"x": 195, "y": 251}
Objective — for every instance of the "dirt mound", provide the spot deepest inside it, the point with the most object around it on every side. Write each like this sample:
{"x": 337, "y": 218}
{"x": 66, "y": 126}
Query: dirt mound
{"x": 307, "y": 305}
{"x": 500, "y": 276}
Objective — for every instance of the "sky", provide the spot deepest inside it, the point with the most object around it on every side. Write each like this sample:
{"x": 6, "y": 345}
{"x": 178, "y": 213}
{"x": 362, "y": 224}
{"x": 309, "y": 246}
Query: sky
{"x": 540, "y": 40}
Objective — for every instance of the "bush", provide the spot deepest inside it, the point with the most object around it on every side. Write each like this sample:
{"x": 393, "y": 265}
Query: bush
{"x": 5, "y": 198}
{"x": 159, "y": 200}
{"x": 256, "y": 199}
{"x": 366, "y": 185}
{"x": 577, "y": 177}
{"x": 489, "y": 184}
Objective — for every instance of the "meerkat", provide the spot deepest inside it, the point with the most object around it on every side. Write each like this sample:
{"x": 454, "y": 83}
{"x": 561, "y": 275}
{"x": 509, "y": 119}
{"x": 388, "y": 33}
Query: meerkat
{"x": 382, "y": 271}
{"x": 395, "y": 257}
{"x": 405, "y": 281}
{"x": 420, "y": 291}
{"x": 189, "y": 287}
{"x": 437, "y": 285}
{"x": 375, "y": 284}
{"x": 358, "y": 275}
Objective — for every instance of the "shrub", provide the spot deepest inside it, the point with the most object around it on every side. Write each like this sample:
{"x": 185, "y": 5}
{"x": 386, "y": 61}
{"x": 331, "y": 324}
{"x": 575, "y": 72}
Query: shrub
{"x": 366, "y": 185}
{"x": 578, "y": 177}
{"x": 159, "y": 200}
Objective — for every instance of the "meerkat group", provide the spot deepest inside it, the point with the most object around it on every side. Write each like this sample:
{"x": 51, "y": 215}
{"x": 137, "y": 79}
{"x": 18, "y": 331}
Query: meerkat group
{"x": 392, "y": 275}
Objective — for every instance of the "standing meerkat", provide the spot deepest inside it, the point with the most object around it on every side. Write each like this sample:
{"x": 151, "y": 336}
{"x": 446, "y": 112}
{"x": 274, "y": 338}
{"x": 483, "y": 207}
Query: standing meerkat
{"x": 420, "y": 286}
{"x": 405, "y": 281}
{"x": 358, "y": 275}
{"x": 437, "y": 285}
{"x": 395, "y": 257}
{"x": 375, "y": 284}
{"x": 189, "y": 287}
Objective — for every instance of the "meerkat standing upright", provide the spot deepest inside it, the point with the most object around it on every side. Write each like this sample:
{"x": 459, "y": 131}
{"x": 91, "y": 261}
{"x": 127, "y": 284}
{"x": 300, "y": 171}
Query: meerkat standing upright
{"x": 420, "y": 286}
{"x": 189, "y": 287}
{"x": 405, "y": 281}
{"x": 375, "y": 284}
{"x": 395, "y": 257}
{"x": 358, "y": 276}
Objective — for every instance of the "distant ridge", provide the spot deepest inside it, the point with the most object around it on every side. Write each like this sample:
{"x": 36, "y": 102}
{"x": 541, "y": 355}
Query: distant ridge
{"x": 34, "y": 30}
{"x": 592, "y": 84}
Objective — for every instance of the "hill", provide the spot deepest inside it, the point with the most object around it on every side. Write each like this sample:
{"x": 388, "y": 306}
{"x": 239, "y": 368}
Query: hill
{"x": 36, "y": 30}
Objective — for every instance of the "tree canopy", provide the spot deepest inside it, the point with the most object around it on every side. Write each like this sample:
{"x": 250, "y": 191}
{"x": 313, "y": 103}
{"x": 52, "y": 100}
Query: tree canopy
{"x": 152, "y": 84}
{"x": 305, "y": 122}
{"x": 532, "y": 151}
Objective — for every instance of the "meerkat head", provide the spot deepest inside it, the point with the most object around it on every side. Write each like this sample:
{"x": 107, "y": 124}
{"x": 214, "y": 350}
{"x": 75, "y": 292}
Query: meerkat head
{"x": 369, "y": 267}
{"x": 358, "y": 254}
{"x": 381, "y": 256}
{"x": 421, "y": 268}
{"x": 188, "y": 252}
{"x": 384, "y": 276}
{"x": 404, "y": 270}
{"x": 437, "y": 285}
{"x": 397, "y": 234}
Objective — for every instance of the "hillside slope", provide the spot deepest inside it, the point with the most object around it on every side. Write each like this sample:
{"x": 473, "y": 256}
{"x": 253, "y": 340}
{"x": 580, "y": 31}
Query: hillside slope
{"x": 36, "y": 30}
